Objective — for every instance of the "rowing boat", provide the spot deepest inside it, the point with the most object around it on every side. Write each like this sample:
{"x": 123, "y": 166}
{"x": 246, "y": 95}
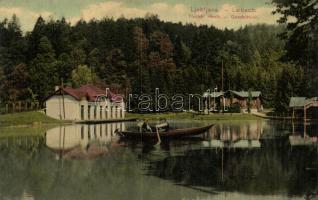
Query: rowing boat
{"x": 174, "y": 133}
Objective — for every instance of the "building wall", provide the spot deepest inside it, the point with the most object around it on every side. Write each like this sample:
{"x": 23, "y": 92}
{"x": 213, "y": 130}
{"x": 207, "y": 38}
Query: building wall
{"x": 104, "y": 110}
{"x": 83, "y": 110}
{"x": 54, "y": 107}
{"x": 243, "y": 102}
{"x": 256, "y": 103}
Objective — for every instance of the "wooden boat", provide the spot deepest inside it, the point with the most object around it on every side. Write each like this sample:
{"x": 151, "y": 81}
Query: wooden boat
{"x": 174, "y": 133}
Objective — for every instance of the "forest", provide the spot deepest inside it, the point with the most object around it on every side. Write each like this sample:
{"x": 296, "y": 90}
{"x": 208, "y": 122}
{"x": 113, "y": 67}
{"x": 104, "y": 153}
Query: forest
{"x": 141, "y": 54}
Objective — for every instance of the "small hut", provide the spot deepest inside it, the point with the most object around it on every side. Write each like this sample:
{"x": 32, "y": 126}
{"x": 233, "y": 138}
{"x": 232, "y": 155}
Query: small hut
{"x": 303, "y": 107}
{"x": 230, "y": 98}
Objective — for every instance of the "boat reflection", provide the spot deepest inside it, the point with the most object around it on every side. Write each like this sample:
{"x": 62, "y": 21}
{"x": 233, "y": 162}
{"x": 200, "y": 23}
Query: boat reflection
{"x": 85, "y": 141}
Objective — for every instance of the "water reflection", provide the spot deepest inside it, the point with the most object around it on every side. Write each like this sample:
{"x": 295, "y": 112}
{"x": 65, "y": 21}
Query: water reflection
{"x": 257, "y": 158}
{"x": 234, "y": 160}
{"x": 81, "y": 141}
{"x": 243, "y": 135}
{"x": 22, "y": 141}
{"x": 303, "y": 134}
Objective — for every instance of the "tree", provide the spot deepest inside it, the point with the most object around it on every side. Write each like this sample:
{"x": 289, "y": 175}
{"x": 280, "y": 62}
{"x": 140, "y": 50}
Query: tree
{"x": 83, "y": 75}
{"x": 64, "y": 67}
{"x": 141, "y": 43}
{"x": 144, "y": 53}
{"x": 285, "y": 89}
{"x": 93, "y": 59}
{"x": 43, "y": 69}
{"x": 12, "y": 44}
{"x": 58, "y": 32}
{"x": 16, "y": 83}
{"x": 301, "y": 34}
{"x": 161, "y": 42}
{"x": 77, "y": 57}
{"x": 34, "y": 37}
{"x": 3, "y": 95}
{"x": 182, "y": 53}
{"x": 114, "y": 69}
{"x": 302, "y": 26}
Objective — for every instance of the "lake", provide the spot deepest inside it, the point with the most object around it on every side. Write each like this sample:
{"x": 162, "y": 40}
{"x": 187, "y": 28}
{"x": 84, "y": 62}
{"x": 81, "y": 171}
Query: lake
{"x": 233, "y": 160}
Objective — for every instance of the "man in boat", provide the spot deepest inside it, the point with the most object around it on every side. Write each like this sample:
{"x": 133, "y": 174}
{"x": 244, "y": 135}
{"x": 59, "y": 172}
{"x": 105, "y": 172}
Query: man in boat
{"x": 163, "y": 125}
{"x": 144, "y": 126}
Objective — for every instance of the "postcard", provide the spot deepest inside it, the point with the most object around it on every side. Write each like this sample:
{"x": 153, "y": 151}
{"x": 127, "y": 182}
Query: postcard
{"x": 158, "y": 99}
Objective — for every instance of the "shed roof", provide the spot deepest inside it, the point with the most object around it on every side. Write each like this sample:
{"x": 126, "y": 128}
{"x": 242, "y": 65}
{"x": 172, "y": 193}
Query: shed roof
{"x": 245, "y": 93}
{"x": 238, "y": 93}
{"x": 300, "y": 101}
{"x": 297, "y": 101}
{"x": 213, "y": 94}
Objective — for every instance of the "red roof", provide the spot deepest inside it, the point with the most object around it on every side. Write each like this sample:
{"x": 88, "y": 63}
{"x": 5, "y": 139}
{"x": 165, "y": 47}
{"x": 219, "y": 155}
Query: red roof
{"x": 90, "y": 92}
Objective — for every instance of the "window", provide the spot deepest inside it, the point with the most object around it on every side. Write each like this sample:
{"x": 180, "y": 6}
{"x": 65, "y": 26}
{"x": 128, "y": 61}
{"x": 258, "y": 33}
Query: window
{"x": 116, "y": 112}
{"x": 82, "y": 112}
{"x": 106, "y": 112}
{"x": 101, "y": 112}
{"x": 89, "y": 112}
{"x": 95, "y": 111}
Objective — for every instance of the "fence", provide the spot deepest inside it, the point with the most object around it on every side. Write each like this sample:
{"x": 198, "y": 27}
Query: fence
{"x": 19, "y": 106}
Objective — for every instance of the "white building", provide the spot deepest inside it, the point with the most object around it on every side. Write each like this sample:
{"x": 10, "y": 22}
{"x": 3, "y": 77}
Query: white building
{"x": 85, "y": 103}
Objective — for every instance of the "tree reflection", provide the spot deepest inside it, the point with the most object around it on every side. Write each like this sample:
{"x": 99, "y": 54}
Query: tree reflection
{"x": 274, "y": 168}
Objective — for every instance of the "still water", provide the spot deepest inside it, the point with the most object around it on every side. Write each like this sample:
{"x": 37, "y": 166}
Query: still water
{"x": 233, "y": 160}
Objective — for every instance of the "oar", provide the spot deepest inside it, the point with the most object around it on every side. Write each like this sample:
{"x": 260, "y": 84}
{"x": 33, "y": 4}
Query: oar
{"x": 158, "y": 136}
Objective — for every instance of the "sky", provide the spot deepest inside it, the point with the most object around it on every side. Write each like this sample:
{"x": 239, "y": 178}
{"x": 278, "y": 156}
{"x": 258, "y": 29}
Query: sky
{"x": 222, "y": 14}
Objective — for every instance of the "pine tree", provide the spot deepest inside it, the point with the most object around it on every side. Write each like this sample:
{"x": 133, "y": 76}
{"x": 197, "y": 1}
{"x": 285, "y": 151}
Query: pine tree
{"x": 43, "y": 69}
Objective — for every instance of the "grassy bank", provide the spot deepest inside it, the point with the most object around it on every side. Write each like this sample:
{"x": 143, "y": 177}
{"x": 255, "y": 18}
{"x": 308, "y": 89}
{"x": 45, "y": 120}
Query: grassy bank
{"x": 27, "y": 118}
{"x": 38, "y": 118}
{"x": 192, "y": 116}
{"x": 36, "y": 123}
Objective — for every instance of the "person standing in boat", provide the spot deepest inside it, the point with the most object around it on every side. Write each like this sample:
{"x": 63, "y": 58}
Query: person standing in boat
{"x": 163, "y": 125}
{"x": 144, "y": 126}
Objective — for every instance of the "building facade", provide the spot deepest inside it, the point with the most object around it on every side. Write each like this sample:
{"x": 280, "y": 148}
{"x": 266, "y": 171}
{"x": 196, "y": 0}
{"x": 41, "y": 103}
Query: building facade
{"x": 242, "y": 98}
{"x": 224, "y": 100}
{"x": 303, "y": 107}
{"x": 85, "y": 103}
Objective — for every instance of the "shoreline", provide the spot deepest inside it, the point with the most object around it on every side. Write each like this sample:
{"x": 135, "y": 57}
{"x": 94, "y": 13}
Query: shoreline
{"x": 38, "y": 118}
{"x": 195, "y": 116}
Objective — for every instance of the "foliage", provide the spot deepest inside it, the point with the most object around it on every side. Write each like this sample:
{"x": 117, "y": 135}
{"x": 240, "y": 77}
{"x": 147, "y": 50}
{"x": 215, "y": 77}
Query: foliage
{"x": 301, "y": 34}
{"x": 83, "y": 75}
{"x": 139, "y": 55}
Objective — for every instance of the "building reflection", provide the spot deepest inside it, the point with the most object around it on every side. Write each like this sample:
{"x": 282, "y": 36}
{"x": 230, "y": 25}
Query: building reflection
{"x": 82, "y": 141}
{"x": 303, "y": 134}
{"x": 245, "y": 135}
